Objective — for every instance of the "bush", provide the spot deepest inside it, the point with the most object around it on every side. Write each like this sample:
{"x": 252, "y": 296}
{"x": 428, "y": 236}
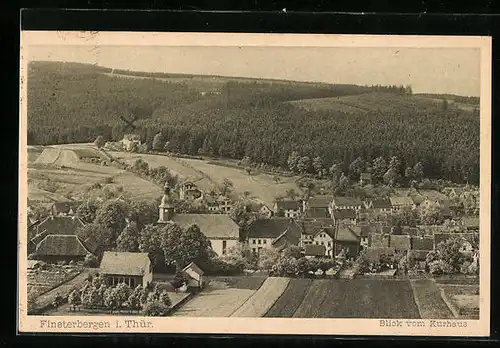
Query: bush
{"x": 108, "y": 180}
{"x": 217, "y": 266}
{"x": 179, "y": 279}
{"x": 57, "y": 301}
{"x": 155, "y": 309}
{"x": 90, "y": 261}
{"x": 440, "y": 267}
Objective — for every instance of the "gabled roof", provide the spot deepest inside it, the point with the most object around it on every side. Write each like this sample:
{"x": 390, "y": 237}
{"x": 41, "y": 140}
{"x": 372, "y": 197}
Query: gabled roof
{"x": 124, "y": 263}
{"x": 401, "y": 200}
{"x": 219, "y": 226}
{"x": 317, "y": 213}
{"x": 366, "y": 230}
{"x": 322, "y": 201}
{"x": 290, "y": 237}
{"x": 61, "y": 245}
{"x": 344, "y": 214}
{"x": 273, "y": 228}
{"x": 330, "y": 231}
{"x": 422, "y": 243}
{"x": 401, "y": 242}
{"x": 65, "y": 207}
{"x": 346, "y": 234}
{"x": 373, "y": 253}
{"x": 346, "y": 201}
{"x": 194, "y": 267}
{"x": 314, "y": 250}
{"x": 310, "y": 227}
{"x": 61, "y": 225}
{"x": 379, "y": 240}
{"x": 287, "y": 205}
{"x": 381, "y": 203}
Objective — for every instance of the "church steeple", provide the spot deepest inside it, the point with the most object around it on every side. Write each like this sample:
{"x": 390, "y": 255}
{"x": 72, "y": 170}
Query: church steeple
{"x": 166, "y": 209}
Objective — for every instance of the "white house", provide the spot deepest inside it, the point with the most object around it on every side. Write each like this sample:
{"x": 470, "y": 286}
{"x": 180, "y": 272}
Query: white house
{"x": 194, "y": 275}
{"x": 132, "y": 269}
{"x": 340, "y": 203}
{"x": 287, "y": 208}
{"x": 402, "y": 202}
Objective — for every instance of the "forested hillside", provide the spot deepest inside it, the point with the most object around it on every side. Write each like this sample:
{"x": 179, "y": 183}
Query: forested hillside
{"x": 244, "y": 117}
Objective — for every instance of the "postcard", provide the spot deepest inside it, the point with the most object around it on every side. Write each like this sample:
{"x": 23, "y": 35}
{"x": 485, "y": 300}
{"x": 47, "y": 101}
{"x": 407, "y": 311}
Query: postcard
{"x": 229, "y": 183}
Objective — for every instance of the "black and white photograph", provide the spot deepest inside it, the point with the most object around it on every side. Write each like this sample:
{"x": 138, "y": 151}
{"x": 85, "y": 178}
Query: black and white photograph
{"x": 230, "y": 177}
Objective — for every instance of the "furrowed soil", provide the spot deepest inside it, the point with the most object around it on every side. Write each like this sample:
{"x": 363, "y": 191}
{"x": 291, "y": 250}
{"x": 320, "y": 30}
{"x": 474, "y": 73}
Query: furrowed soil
{"x": 290, "y": 300}
{"x": 430, "y": 303}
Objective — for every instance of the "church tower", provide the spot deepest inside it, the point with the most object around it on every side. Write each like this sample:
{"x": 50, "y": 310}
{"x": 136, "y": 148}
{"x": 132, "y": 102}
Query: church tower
{"x": 166, "y": 208}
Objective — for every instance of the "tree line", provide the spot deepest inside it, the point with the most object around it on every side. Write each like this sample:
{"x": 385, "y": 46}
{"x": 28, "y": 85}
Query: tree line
{"x": 253, "y": 120}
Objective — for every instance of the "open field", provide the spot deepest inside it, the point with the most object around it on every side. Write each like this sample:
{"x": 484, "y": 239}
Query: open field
{"x": 205, "y": 175}
{"x": 68, "y": 173}
{"x": 216, "y": 300}
{"x": 429, "y": 300}
{"x": 290, "y": 299}
{"x": 262, "y": 300}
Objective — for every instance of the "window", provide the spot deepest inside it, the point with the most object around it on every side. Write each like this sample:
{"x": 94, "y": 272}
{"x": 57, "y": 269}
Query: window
{"x": 253, "y": 241}
{"x": 265, "y": 241}
{"x": 224, "y": 245}
{"x": 260, "y": 242}
{"x": 254, "y": 250}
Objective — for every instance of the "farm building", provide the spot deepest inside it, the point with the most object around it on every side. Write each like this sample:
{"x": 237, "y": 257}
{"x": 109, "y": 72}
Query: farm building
{"x": 318, "y": 207}
{"x": 225, "y": 204}
{"x": 344, "y": 216}
{"x": 64, "y": 208}
{"x": 61, "y": 225}
{"x": 221, "y": 230}
{"x": 287, "y": 208}
{"x": 189, "y": 191}
{"x": 347, "y": 238}
{"x": 380, "y": 206}
{"x": 275, "y": 232}
{"x": 311, "y": 227}
{"x": 194, "y": 275}
{"x": 211, "y": 204}
{"x": 57, "y": 248}
{"x": 365, "y": 179}
{"x": 130, "y": 141}
{"x": 132, "y": 269}
{"x": 402, "y": 202}
{"x": 340, "y": 203}
{"x": 264, "y": 211}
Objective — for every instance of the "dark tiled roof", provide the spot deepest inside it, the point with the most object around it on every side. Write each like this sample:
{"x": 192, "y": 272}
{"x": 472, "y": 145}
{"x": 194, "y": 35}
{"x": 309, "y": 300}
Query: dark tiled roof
{"x": 373, "y": 253}
{"x": 346, "y": 234}
{"x": 346, "y": 201}
{"x": 366, "y": 230}
{"x": 61, "y": 245}
{"x": 379, "y": 240}
{"x": 124, "y": 263}
{"x": 422, "y": 243}
{"x": 319, "y": 201}
{"x": 310, "y": 227}
{"x": 382, "y": 203}
{"x": 344, "y": 214}
{"x": 287, "y": 205}
{"x": 211, "y": 225}
{"x": 317, "y": 213}
{"x": 314, "y": 250}
{"x": 273, "y": 228}
{"x": 60, "y": 225}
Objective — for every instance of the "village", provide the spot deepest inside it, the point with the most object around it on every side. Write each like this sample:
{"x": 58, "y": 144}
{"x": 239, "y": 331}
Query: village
{"x": 162, "y": 262}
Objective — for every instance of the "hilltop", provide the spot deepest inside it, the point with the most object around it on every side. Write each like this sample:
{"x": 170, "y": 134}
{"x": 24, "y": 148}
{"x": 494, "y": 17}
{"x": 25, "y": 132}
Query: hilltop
{"x": 263, "y": 119}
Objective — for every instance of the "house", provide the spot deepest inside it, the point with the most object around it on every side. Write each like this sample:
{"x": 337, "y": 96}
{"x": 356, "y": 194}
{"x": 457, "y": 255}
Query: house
{"x": 340, "y": 203}
{"x": 344, "y": 216}
{"x": 265, "y": 212}
{"x": 380, "y": 205}
{"x": 194, "y": 276}
{"x": 60, "y": 248}
{"x": 212, "y": 204}
{"x": 131, "y": 141}
{"x": 347, "y": 238}
{"x": 275, "y": 232}
{"x": 311, "y": 227}
{"x": 365, "y": 179}
{"x": 260, "y": 209}
{"x": 133, "y": 269}
{"x": 378, "y": 240}
{"x": 365, "y": 232}
{"x": 64, "y": 208}
{"x": 325, "y": 236}
{"x": 189, "y": 191}
{"x": 318, "y": 206}
{"x": 399, "y": 203}
{"x": 314, "y": 251}
{"x": 287, "y": 208}
{"x": 60, "y": 225}
{"x": 225, "y": 204}
{"x": 220, "y": 229}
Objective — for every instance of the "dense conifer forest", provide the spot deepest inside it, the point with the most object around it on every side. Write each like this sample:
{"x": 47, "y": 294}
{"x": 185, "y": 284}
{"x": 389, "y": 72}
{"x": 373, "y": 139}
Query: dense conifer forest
{"x": 234, "y": 118}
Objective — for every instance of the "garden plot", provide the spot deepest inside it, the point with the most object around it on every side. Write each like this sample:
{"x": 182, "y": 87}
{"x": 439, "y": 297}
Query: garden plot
{"x": 464, "y": 299}
{"x": 290, "y": 300}
{"x": 262, "y": 300}
{"x": 429, "y": 301}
